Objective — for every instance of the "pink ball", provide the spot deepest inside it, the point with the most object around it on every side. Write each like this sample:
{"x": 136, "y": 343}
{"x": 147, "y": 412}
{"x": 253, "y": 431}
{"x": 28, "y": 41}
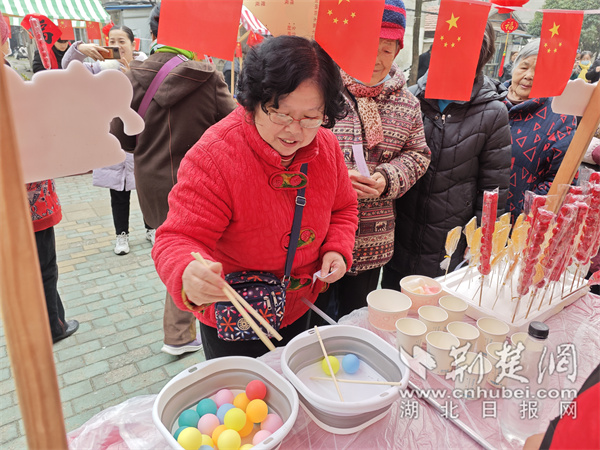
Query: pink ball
{"x": 208, "y": 423}
{"x": 223, "y": 396}
{"x": 272, "y": 423}
{"x": 260, "y": 436}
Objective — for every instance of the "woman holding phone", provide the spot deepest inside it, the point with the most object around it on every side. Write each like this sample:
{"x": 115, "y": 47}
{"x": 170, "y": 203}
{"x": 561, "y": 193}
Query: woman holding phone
{"x": 118, "y": 178}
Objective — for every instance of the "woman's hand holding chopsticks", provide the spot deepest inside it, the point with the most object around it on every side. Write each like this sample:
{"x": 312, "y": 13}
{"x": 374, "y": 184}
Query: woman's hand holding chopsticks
{"x": 203, "y": 284}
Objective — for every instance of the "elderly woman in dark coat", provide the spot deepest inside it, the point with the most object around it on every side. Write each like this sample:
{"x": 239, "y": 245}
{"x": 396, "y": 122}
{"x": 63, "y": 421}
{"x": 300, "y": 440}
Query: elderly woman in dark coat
{"x": 470, "y": 153}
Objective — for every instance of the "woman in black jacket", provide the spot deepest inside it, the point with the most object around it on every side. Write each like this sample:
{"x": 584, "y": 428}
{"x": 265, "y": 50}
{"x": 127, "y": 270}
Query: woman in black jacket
{"x": 470, "y": 146}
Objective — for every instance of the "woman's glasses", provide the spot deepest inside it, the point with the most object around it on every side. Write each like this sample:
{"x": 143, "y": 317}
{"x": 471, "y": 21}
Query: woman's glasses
{"x": 284, "y": 119}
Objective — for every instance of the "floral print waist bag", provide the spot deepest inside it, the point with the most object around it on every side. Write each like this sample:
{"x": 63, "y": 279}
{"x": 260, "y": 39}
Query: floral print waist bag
{"x": 264, "y": 291}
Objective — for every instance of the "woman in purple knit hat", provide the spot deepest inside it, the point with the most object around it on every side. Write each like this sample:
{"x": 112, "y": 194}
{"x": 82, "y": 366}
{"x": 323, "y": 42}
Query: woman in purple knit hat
{"x": 385, "y": 152}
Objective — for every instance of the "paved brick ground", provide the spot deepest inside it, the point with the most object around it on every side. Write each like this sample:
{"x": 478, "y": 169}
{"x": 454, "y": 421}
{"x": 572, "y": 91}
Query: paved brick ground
{"x": 118, "y": 301}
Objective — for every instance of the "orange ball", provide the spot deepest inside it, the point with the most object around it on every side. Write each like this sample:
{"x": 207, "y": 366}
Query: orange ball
{"x": 248, "y": 428}
{"x": 241, "y": 401}
{"x": 257, "y": 410}
{"x": 217, "y": 432}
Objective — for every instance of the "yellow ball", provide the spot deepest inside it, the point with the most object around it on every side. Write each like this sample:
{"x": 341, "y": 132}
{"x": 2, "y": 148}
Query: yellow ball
{"x": 190, "y": 438}
{"x": 235, "y": 419}
{"x": 241, "y": 401}
{"x": 217, "y": 432}
{"x": 207, "y": 440}
{"x": 246, "y": 447}
{"x": 248, "y": 428}
{"x": 335, "y": 365}
{"x": 229, "y": 440}
{"x": 257, "y": 410}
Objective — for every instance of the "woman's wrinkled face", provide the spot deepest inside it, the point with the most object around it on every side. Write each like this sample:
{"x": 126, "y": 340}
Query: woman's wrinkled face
{"x": 306, "y": 102}
{"x": 522, "y": 77}
{"x": 118, "y": 38}
{"x": 388, "y": 50}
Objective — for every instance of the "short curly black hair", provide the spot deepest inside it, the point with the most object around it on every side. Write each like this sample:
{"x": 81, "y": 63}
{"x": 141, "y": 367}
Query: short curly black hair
{"x": 279, "y": 65}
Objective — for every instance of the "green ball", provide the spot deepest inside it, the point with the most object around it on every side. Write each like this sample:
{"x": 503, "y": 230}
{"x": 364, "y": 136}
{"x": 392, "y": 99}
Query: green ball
{"x": 335, "y": 365}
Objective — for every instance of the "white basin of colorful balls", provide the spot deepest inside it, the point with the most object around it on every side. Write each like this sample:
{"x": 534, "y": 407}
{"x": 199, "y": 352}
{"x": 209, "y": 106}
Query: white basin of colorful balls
{"x": 226, "y": 419}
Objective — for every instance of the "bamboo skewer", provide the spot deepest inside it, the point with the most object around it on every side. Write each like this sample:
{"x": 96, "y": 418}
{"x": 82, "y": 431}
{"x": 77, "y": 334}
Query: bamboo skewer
{"x": 340, "y": 380}
{"x": 328, "y": 363}
{"x": 234, "y": 297}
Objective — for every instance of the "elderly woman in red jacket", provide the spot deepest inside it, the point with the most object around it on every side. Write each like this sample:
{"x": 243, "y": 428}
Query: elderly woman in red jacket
{"x": 233, "y": 205}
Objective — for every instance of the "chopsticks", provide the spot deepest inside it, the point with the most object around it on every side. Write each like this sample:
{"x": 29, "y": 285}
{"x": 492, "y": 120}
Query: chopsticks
{"x": 328, "y": 363}
{"x": 239, "y": 303}
{"x": 385, "y": 383}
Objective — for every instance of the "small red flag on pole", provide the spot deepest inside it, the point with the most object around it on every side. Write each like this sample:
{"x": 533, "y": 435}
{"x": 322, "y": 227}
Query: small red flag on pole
{"x": 349, "y": 33}
{"x": 7, "y": 20}
{"x": 93, "y": 30}
{"x": 66, "y": 27}
{"x": 458, "y": 37}
{"x": 558, "y": 47}
{"x": 201, "y": 26}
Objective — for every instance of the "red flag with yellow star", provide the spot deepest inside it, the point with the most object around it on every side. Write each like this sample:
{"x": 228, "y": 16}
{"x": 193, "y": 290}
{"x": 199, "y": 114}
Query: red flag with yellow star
{"x": 348, "y": 30}
{"x": 66, "y": 26}
{"x": 558, "y": 47}
{"x": 93, "y": 30}
{"x": 455, "y": 49}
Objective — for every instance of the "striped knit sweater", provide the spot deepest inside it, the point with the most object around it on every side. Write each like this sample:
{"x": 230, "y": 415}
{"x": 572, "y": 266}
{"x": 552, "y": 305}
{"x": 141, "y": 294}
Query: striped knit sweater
{"x": 402, "y": 158}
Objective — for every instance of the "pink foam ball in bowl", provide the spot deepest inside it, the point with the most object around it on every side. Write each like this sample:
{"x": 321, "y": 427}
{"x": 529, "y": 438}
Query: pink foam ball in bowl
{"x": 223, "y": 396}
{"x": 272, "y": 423}
{"x": 208, "y": 423}
{"x": 260, "y": 436}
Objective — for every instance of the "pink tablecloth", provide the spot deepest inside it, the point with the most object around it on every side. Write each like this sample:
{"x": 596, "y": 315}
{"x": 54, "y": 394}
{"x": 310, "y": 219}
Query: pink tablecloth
{"x": 129, "y": 425}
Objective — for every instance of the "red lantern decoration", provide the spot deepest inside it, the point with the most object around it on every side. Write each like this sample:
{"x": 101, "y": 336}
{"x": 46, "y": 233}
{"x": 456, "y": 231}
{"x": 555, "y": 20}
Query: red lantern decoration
{"x": 509, "y": 25}
{"x": 512, "y": 3}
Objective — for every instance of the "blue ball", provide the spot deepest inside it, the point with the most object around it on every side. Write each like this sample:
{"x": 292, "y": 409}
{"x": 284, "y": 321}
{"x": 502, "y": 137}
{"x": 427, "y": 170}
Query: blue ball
{"x": 179, "y": 430}
{"x": 222, "y": 410}
{"x": 189, "y": 418}
{"x": 350, "y": 363}
{"x": 206, "y": 406}
{"x": 206, "y": 447}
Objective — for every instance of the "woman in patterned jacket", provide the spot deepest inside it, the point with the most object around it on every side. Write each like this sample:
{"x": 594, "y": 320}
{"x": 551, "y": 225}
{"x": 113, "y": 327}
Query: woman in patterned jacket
{"x": 385, "y": 130}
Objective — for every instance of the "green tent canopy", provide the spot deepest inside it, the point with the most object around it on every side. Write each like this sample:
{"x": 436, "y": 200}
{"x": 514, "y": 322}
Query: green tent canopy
{"x": 76, "y": 10}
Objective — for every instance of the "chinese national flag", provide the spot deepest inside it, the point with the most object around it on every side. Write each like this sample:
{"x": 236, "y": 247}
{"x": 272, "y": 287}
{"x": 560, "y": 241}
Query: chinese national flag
{"x": 455, "y": 49}
{"x": 136, "y": 42}
{"x": 558, "y": 47}
{"x": 348, "y": 30}
{"x": 202, "y": 26}
{"x": 66, "y": 26}
{"x": 93, "y": 30}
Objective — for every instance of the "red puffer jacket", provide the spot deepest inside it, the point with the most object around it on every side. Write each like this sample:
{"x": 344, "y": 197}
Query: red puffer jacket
{"x": 232, "y": 205}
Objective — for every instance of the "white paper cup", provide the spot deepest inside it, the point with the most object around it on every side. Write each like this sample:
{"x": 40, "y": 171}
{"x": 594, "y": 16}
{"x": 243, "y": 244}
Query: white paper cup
{"x": 439, "y": 344}
{"x": 465, "y": 333}
{"x": 492, "y": 330}
{"x": 434, "y": 317}
{"x": 491, "y": 351}
{"x": 520, "y": 336}
{"x": 386, "y": 306}
{"x": 410, "y": 333}
{"x": 468, "y": 385}
{"x": 410, "y": 286}
{"x": 454, "y": 306}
